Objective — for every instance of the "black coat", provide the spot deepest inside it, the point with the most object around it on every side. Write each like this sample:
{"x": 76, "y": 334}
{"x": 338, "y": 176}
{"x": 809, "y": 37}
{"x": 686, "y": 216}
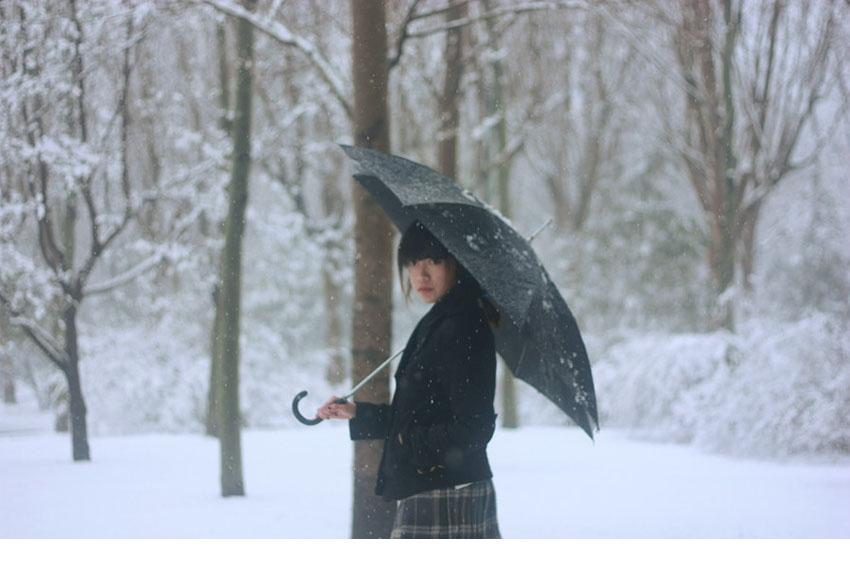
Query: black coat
{"x": 441, "y": 417}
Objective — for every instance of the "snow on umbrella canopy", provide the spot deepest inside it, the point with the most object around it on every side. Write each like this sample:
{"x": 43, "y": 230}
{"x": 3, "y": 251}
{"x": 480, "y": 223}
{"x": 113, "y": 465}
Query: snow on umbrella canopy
{"x": 537, "y": 337}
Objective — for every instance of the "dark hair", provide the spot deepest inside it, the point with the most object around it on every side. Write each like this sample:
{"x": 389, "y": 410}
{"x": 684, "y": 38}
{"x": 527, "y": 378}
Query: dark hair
{"x": 418, "y": 243}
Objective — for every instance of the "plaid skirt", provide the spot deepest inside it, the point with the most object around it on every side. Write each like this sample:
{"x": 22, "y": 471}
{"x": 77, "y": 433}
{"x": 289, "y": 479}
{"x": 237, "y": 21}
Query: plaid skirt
{"x": 466, "y": 512}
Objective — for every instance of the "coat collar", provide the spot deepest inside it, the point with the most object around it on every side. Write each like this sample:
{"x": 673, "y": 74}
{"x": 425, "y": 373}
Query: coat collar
{"x": 457, "y": 299}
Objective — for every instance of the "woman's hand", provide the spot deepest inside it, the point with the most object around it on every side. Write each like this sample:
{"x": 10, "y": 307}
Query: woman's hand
{"x": 333, "y": 410}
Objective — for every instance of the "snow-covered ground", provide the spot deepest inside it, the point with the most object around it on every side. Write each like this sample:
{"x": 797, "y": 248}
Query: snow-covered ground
{"x": 551, "y": 483}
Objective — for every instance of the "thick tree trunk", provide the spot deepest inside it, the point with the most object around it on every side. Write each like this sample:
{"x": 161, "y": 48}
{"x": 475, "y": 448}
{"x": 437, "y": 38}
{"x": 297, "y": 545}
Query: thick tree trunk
{"x": 373, "y": 233}
{"x": 449, "y": 114}
{"x": 77, "y": 406}
{"x": 229, "y": 302}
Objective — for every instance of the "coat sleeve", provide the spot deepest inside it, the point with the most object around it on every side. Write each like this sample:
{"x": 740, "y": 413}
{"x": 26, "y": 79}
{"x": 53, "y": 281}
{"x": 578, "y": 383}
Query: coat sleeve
{"x": 466, "y": 369}
{"x": 370, "y": 422}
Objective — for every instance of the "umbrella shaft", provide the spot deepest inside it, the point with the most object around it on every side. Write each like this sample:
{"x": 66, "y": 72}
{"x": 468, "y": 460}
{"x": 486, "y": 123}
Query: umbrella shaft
{"x": 372, "y": 375}
{"x": 539, "y": 230}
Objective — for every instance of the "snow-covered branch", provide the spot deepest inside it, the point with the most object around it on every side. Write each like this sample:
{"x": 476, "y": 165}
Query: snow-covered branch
{"x": 126, "y": 277}
{"x": 42, "y": 339}
{"x": 39, "y": 336}
{"x": 281, "y": 33}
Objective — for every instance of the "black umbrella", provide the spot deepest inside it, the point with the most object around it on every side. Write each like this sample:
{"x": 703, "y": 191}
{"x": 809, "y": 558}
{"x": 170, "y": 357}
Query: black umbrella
{"x": 538, "y": 337}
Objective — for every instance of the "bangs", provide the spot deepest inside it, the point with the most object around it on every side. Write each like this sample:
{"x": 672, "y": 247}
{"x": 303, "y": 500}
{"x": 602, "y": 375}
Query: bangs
{"x": 418, "y": 243}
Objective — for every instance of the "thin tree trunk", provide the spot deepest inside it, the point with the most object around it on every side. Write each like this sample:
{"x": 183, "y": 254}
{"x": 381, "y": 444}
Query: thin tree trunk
{"x": 729, "y": 217}
{"x": 510, "y": 413}
{"x": 483, "y": 152}
{"x": 710, "y": 120}
{"x": 229, "y": 303}
{"x": 225, "y": 124}
{"x": 335, "y": 369}
{"x": 560, "y": 199}
{"x": 224, "y": 121}
{"x": 332, "y": 244}
{"x": 597, "y": 128}
{"x": 748, "y": 243}
{"x": 213, "y": 402}
{"x": 371, "y": 326}
{"x": 502, "y": 173}
{"x": 62, "y": 417}
{"x": 62, "y": 420}
{"x": 9, "y": 396}
{"x": 77, "y": 406}
{"x": 71, "y": 368}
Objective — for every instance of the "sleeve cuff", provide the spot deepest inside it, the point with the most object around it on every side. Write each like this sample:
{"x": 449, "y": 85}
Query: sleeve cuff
{"x": 363, "y": 423}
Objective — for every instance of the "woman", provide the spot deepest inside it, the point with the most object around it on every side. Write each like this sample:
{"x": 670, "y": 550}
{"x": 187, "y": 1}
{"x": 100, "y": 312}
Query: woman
{"x": 441, "y": 417}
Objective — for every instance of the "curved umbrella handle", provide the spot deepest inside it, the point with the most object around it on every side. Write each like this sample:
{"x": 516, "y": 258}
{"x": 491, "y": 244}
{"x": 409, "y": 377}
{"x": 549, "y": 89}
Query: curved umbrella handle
{"x": 298, "y": 416}
{"x": 342, "y": 400}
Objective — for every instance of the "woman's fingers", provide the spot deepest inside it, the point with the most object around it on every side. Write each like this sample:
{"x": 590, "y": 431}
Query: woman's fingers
{"x": 324, "y": 411}
{"x": 331, "y": 409}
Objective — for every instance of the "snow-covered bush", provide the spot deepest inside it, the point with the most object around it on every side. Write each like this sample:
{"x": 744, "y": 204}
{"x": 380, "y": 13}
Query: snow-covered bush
{"x": 653, "y": 382}
{"x": 772, "y": 389}
{"x": 789, "y": 393}
{"x": 156, "y": 378}
{"x": 145, "y": 378}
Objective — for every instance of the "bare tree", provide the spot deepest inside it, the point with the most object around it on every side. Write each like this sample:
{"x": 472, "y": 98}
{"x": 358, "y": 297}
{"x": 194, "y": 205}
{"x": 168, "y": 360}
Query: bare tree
{"x": 784, "y": 91}
{"x": 586, "y": 92}
{"x": 754, "y": 77}
{"x": 57, "y": 219}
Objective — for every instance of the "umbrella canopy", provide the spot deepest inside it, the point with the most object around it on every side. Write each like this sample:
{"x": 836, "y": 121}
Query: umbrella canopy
{"x": 537, "y": 337}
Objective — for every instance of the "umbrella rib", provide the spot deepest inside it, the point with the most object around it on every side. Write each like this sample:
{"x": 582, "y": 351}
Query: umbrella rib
{"x": 521, "y": 357}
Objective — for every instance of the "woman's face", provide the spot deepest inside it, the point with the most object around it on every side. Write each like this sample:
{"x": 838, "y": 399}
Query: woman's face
{"x": 431, "y": 278}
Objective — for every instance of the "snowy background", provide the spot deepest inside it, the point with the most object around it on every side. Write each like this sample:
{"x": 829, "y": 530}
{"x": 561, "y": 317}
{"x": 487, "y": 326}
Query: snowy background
{"x": 707, "y": 430}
